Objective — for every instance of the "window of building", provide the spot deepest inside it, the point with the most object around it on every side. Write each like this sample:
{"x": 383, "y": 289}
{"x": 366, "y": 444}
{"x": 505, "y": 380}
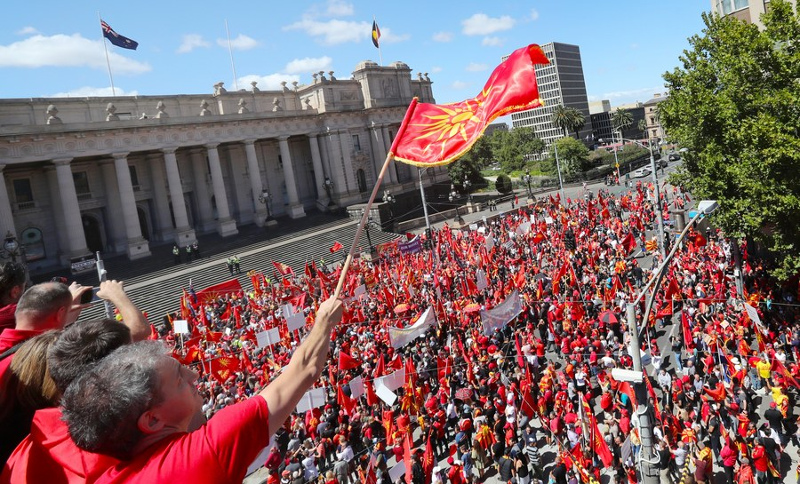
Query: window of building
{"x": 81, "y": 180}
{"x": 362, "y": 180}
{"x": 356, "y": 143}
{"x": 134, "y": 178}
{"x": 23, "y": 193}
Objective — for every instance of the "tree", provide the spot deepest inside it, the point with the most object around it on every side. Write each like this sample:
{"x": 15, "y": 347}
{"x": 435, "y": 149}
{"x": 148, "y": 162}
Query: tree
{"x": 643, "y": 127}
{"x": 572, "y": 155}
{"x": 568, "y": 119}
{"x": 469, "y": 166}
{"x": 621, "y": 120}
{"x": 513, "y": 148}
{"x": 503, "y": 184}
{"x": 735, "y": 105}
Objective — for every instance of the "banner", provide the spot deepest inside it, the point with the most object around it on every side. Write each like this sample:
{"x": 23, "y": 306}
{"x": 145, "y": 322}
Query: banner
{"x": 392, "y": 381}
{"x": 410, "y": 247}
{"x": 402, "y": 336}
{"x": 480, "y": 280}
{"x": 295, "y": 322}
{"x": 212, "y": 292}
{"x": 501, "y": 315}
{"x": 356, "y": 387}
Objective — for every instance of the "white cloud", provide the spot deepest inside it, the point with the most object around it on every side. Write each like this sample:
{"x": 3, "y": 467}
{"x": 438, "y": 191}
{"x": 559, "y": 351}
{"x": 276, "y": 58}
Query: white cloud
{"x": 492, "y": 41}
{"x": 459, "y": 85}
{"x": 309, "y": 64}
{"x": 475, "y": 67}
{"x": 241, "y": 42}
{"x": 436, "y": 69}
{"x": 88, "y": 91}
{"x": 534, "y": 14}
{"x": 27, "y": 31}
{"x": 191, "y": 42}
{"x": 388, "y": 36}
{"x": 66, "y": 51}
{"x": 334, "y": 32}
{"x": 338, "y": 8}
{"x": 268, "y": 82}
{"x": 482, "y": 24}
{"x": 443, "y": 36}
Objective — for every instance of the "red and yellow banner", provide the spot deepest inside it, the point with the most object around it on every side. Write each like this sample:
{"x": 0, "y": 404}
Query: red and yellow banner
{"x": 437, "y": 134}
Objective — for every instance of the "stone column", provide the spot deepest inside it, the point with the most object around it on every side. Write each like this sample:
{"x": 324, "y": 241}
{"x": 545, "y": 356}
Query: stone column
{"x": 116, "y": 229}
{"x": 379, "y": 153}
{"x": 201, "y": 193}
{"x": 158, "y": 176}
{"x": 347, "y": 160}
{"x": 225, "y": 224}
{"x": 336, "y": 173}
{"x": 184, "y": 234}
{"x": 319, "y": 173}
{"x": 137, "y": 246}
{"x": 391, "y": 171}
{"x": 295, "y": 207}
{"x": 6, "y": 214}
{"x": 76, "y": 239}
{"x": 255, "y": 181}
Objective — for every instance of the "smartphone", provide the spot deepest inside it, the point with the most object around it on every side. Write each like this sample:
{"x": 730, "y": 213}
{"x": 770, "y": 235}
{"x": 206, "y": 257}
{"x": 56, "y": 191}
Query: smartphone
{"x": 90, "y": 296}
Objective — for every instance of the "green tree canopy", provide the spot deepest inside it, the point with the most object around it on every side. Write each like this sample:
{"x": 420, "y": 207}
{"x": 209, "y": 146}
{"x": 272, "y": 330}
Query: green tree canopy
{"x": 512, "y": 148}
{"x": 735, "y": 104}
{"x": 568, "y": 119}
{"x": 621, "y": 120}
{"x": 572, "y": 155}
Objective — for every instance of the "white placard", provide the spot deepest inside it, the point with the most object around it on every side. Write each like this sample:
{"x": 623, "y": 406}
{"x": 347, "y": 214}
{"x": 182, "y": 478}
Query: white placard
{"x": 397, "y": 472}
{"x": 180, "y": 326}
{"x": 295, "y": 322}
{"x": 356, "y": 387}
{"x": 392, "y": 381}
{"x": 388, "y": 396}
{"x": 481, "y": 230}
{"x": 268, "y": 337}
{"x": 287, "y": 310}
{"x": 316, "y": 397}
{"x": 480, "y": 280}
{"x": 473, "y": 227}
{"x": 752, "y": 313}
{"x": 548, "y": 220}
{"x": 360, "y": 291}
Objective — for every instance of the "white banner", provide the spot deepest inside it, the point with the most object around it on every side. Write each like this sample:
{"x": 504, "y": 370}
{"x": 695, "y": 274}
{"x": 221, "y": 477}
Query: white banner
{"x": 402, "y": 336}
{"x": 489, "y": 243}
{"x": 388, "y": 396}
{"x": 392, "y": 381}
{"x": 502, "y": 314}
{"x": 181, "y": 326}
{"x": 523, "y": 228}
{"x": 287, "y": 310}
{"x": 268, "y": 337}
{"x": 295, "y": 322}
{"x": 356, "y": 387}
{"x": 480, "y": 280}
{"x": 316, "y": 397}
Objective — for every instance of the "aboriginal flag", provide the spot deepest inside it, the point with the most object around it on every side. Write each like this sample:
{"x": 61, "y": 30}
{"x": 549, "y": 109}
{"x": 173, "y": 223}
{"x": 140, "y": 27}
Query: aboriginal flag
{"x": 376, "y": 35}
{"x": 116, "y": 39}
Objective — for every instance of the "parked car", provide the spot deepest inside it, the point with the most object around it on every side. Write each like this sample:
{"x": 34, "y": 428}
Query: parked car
{"x": 674, "y": 157}
{"x": 641, "y": 172}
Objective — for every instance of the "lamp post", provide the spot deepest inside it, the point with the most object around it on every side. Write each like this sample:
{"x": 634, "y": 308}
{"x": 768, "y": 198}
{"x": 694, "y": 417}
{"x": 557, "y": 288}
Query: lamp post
{"x": 527, "y": 179}
{"x": 13, "y": 250}
{"x": 453, "y": 196}
{"x": 467, "y": 187}
{"x": 328, "y": 190}
{"x": 369, "y": 239}
{"x": 266, "y": 199}
{"x": 389, "y": 199}
{"x": 648, "y": 457}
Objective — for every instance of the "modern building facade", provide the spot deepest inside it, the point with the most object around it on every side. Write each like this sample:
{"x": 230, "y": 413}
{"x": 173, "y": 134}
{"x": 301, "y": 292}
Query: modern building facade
{"x": 560, "y": 83}
{"x": 747, "y": 10}
{"x": 119, "y": 174}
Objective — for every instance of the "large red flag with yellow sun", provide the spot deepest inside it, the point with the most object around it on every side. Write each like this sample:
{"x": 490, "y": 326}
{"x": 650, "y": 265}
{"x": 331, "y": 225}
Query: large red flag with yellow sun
{"x": 437, "y": 134}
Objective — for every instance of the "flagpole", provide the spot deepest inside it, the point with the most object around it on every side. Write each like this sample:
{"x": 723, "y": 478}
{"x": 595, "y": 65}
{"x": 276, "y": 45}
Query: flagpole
{"x": 108, "y": 63}
{"x": 230, "y": 52}
{"x": 365, "y": 216}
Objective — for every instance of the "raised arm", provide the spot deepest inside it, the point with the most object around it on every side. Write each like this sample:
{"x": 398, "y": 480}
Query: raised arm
{"x": 114, "y": 292}
{"x": 304, "y": 368}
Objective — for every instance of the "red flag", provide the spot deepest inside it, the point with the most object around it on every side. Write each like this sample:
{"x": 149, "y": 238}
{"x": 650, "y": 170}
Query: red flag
{"x": 380, "y": 367}
{"x": 246, "y": 361}
{"x": 651, "y": 391}
{"x": 519, "y": 280}
{"x": 627, "y": 389}
{"x": 283, "y": 269}
{"x": 520, "y": 358}
{"x": 224, "y": 367}
{"x": 628, "y": 242}
{"x": 428, "y": 460}
{"x": 407, "y": 455}
{"x": 688, "y": 341}
{"x": 781, "y": 369}
{"x": 335, "y": 247}
{"x": 699, "y": 240}
{"x": 672, "y": 290}
{"x": 347, "y": 403}
{"x": 347, "y": 362}
{"x": 433, "y": 134}
{"x": 528, "y": 405}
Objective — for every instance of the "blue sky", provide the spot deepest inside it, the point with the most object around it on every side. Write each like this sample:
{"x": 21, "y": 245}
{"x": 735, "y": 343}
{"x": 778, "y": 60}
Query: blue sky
{"x": 54, "y": 48}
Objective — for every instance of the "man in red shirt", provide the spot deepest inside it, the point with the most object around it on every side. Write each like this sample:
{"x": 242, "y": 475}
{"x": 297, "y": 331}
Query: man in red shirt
{"x": 12, "y": 285}
{"x": 137, "y": 405}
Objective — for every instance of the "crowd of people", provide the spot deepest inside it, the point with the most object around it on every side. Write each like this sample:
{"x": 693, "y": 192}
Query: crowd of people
{"x": 529, "y": 399}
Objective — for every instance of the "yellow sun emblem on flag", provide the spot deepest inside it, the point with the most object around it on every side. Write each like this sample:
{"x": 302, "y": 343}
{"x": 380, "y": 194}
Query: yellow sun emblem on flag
{"x": 455, "y": 119}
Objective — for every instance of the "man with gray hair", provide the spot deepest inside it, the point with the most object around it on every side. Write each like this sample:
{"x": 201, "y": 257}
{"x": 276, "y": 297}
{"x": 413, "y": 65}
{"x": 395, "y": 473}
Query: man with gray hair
{"x": 137, "y": 405}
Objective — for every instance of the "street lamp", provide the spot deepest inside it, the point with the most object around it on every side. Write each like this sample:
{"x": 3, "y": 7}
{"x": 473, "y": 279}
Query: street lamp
{"x": 648, "y": 456}
{"x": 366, "y": 227}
{"x": 328, "y": 184}
{"x": 13, "y": 250}
{"x": 266, "y": 199}
{"x": 389, "y": 199}
{"x": 467, "y": 186}
{"x": 527, "y": 179}
{"x": 453, "y": 196}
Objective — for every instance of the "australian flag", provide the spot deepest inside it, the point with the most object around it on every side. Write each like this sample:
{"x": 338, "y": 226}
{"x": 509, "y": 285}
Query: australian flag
{"x": 116, "y": 39}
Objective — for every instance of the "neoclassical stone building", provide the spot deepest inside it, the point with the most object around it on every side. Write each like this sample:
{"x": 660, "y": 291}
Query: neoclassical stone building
{"x": 120, "y": 174}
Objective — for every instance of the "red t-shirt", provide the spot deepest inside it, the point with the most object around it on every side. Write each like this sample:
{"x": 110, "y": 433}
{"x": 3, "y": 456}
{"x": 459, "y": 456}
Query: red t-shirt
{"x": 49, "y": 455}
{"x": 218, "y": 452}
{"x": 7, "y": 318}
